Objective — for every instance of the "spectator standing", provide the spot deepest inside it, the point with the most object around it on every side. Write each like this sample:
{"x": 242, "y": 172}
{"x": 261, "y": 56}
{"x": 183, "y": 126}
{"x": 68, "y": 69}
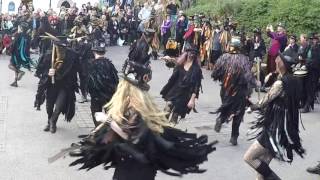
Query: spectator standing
{"x": 165, "y": 30}
{"x": 113, "y": 30}
{"x": 172, "y": 10}
{"x": 278, "y": 43}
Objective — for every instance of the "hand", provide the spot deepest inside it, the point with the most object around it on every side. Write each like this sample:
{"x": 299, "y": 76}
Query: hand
{"x": 258, "y": 83}
{"x": 52, "y": 72}
{"x": 191, "y": 104}
{"x": 100, "y": 116}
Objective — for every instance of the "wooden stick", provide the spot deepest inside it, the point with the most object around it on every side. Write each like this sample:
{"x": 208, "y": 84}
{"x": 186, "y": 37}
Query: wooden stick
{"x": 258, "y": 75}
{"x": 52, "y": 62}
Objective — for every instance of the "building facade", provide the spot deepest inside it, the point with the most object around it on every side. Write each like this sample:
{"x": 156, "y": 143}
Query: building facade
{"x": 11, "y": 6}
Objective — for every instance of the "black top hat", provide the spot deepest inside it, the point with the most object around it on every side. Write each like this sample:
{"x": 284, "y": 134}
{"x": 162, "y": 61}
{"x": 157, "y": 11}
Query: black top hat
{"x": 289, "y": 58}
{"x": 135, "y": 73}
{"x": 101, "y": 48}
{"x": 136, "y": 68}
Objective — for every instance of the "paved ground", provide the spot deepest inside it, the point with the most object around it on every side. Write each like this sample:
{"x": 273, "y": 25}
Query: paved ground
{"x": 25, "y": 148}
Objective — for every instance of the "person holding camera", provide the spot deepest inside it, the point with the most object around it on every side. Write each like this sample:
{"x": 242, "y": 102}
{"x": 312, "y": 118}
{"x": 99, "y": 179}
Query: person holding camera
{"x": 278, "y": 43}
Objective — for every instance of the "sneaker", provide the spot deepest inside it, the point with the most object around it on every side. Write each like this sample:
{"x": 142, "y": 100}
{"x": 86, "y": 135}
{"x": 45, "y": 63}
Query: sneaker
{"x": 314, "y": 170}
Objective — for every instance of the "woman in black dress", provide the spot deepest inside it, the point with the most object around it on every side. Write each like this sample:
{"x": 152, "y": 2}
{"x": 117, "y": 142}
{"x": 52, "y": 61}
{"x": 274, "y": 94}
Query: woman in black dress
{"x": 183, "y": 87}
{"x": 279, "y": 122}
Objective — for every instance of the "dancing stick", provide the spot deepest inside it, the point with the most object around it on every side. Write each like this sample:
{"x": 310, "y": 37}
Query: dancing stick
{"x": 258, "y": 61}
{"x": 52, "y": 61}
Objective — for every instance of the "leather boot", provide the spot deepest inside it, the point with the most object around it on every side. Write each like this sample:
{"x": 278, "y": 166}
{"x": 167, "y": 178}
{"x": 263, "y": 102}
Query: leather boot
{"x": 47, "y": 128}
{"x": 306, "y": 109}
{"x": 218, "y": 125}
{"x": 20, "y": 75}
{"x": 234, "y": 141}
{"x": 314, "y": 170}
{"x": 14, "y": 84}
{"x": 53, "y": 126}
{"x": 272, "y": 176}
{"x": 37, "y": 105}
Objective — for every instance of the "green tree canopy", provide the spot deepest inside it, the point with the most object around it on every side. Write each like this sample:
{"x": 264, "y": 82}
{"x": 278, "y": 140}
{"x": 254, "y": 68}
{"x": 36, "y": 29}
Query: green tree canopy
{"x": 299, "y": 16}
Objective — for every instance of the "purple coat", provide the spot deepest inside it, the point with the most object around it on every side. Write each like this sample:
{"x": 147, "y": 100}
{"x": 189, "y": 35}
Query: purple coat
{"x": 165, "y": 27}
{"x": 278, "y": 43}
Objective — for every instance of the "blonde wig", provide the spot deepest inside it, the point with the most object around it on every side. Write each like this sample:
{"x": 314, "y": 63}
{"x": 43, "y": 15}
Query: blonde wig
{"x": 129, "y": 96}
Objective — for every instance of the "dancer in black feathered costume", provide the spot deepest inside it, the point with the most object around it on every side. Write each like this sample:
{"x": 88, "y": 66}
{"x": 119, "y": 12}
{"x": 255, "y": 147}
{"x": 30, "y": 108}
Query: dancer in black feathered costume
{"x": 82, "y": 44}
{"x": 20, "y": 57}
{"x": 278, "y": 124}
{"x": 183, "y": 87}
{"x": 85, "y": 55}
{"x": 233, "y": 70}
{"x": 60, "y": 93}
{"x": 45, "y": 56}
{"x": 135, "y": 137}
{"x": 102, "y": 80}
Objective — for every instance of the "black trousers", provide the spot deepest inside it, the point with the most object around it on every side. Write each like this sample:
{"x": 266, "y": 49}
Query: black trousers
{"x": 56, "y": 100}
{"x": 311, "y": 84}
{"x": 83, "y": 84}
{"x": 236, "y": 122}
{"x": 96, "y": 106}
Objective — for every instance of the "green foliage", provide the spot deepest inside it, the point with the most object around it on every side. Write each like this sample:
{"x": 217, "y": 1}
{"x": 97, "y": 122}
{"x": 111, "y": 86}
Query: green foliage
{"x": 299, "y": 16}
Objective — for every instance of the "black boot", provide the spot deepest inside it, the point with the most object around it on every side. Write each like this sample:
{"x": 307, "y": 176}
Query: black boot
{"x": 53, "y": 126}
{"x": 218, "y": 125}
{"x": 20, "y": 75}
{"x": 14, "y": 84}
{"x": 306, "y": 109}
{"x": 47, "y": 128}
{"x": 37, "y": 105}
{"x": 234, "y": 141}
{"x": 314, "y": 170}
{"x": 83, "y": 99}
{"x": 272, "y": 176}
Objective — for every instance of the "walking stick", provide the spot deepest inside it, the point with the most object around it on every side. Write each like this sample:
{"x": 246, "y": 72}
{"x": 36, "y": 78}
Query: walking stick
{"x": 258, "y": 61}
{"x": 52, "y": 62}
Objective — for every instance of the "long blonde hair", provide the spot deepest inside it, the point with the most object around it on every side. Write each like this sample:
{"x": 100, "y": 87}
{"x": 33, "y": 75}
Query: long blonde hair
{"x": 129, "y": 96}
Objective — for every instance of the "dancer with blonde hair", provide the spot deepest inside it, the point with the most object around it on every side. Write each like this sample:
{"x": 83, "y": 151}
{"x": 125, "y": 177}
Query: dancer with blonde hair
{"x": 135, "y": 137}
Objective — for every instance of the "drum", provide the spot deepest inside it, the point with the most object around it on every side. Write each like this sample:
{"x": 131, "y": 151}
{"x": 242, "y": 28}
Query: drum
{"x": 300, "y": 70}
